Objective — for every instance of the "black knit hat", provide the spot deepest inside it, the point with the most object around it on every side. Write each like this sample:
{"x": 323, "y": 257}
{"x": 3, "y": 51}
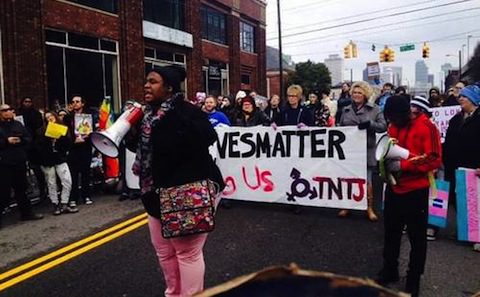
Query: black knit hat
{"x": 173, "y": 76}
{"x": 397, "y": 104}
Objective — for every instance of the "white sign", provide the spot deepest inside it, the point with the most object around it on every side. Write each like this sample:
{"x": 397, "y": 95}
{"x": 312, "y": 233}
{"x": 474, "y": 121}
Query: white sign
{"x": 163, "y": 33}
{"x": 373, "y": 70}
{"x": 442, "y": 115}
{"x": 324, "y": 167}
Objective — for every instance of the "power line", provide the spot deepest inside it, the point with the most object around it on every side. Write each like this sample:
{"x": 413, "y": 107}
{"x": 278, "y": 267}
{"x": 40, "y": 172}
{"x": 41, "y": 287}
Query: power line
{"x": 392, "y": 24}
{"x": 437, "y": 40}
{"x": 371, "y": 19}
{"x": 358, "y": 15}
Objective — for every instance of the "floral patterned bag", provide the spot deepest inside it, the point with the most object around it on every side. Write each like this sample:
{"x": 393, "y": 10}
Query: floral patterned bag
{"x": 187, "y": 209}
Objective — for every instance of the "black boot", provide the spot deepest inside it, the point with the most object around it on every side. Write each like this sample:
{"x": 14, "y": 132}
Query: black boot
{"x": 387, "y": 276}
{"x": 412, "y": 285}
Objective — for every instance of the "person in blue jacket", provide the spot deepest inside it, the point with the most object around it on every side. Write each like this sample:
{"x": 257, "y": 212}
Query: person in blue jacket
{"x": 217, "y": 118}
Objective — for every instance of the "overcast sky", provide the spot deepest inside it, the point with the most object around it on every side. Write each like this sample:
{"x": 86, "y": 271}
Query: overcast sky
{"x": 444, "y": 26}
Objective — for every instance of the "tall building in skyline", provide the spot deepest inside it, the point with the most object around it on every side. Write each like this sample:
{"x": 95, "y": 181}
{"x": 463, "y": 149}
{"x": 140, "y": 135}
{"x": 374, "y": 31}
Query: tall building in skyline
{"x": 335, "y": 65}
{"x": 431, "y": 79}
{"x": 421, "y": 72}
{"x": 446, "y": 67}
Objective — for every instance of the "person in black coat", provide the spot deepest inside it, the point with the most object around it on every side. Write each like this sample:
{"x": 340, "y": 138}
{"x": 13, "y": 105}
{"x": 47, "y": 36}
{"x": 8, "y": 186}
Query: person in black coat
{"x": 462, "y": 142}
{"x": 273, "y": 109}
{"x": 33, "y": 120}
{"x": 14, "y": 142}
{"x": 250, "y": 115}
{"x": 172, "y": 151}
{"x": 53, "y": 154}
{"x": 294, "y": 113}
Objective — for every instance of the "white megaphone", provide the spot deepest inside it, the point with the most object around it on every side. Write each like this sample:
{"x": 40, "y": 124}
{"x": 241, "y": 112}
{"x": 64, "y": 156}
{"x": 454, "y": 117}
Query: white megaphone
{"x": 107, "y": 142}
{"x": 388, "y": 149}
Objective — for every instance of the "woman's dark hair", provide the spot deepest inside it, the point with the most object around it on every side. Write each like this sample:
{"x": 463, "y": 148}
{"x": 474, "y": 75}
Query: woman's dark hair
{"x": 55, "y": 115}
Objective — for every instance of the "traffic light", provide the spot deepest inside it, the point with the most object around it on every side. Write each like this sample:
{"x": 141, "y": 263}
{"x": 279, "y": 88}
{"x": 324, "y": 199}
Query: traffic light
{"x": 347, "y": 51}
{"x": 350, "y": 50}
{"x": 391, "y": 55}
{"x": 387, "y": 55}
{"x": 426, "y": 51}
{"x": 354, "y": 50}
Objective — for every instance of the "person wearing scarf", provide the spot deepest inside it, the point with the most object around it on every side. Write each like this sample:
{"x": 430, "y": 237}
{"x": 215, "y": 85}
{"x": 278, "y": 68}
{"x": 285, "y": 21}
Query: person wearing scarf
{"x": 173, "y": 141}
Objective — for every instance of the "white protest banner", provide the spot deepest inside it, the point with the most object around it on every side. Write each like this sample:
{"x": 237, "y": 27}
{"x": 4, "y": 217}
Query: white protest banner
{"x": 324, "y": 167}
{"x": 442, "y": 115}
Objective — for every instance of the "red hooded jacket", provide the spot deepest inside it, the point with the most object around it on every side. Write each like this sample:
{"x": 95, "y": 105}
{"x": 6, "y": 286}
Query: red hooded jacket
{"x": 422, "y": 138}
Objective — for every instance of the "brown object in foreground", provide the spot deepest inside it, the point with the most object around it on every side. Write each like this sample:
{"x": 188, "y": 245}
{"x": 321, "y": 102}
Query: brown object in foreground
{"x": 281, "y": 281}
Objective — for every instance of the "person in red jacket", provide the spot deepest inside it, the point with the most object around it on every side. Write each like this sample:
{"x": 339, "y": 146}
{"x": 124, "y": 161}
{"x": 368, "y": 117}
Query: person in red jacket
{"x": 406, "y": 202}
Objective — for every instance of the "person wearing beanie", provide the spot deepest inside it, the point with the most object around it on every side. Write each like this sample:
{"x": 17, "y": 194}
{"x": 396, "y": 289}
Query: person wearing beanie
{"x": 462, "y": 144}
{"x": 366, "y": 116}
{"x": 434, "y": 97}
{"x": 406, "y": 201}
{"x": 172, "y": 150}
{"x": 250, "y": 115}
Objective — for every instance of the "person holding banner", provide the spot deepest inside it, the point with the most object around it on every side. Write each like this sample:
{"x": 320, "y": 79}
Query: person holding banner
{"x": 366, "y": 116}
{"x": 406, "y": 200}
{"x": 462, "y": 141}
{"x": 53, "y": 145}
{"x": 172, "y": 150}
{"x": 251, "y": 115}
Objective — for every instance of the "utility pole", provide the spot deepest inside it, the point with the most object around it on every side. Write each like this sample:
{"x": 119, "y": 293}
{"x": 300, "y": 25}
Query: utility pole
{"x": 280, "y": 54}
{"x": 459, "y": 64}
{"x": 351, "y": 75}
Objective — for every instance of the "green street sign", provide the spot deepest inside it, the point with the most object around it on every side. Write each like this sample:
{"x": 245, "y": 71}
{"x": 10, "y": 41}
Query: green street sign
{"x": 408, "y": 47}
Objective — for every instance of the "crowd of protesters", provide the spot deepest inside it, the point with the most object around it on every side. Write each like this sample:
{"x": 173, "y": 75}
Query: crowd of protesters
{"x": 62, "y": 166}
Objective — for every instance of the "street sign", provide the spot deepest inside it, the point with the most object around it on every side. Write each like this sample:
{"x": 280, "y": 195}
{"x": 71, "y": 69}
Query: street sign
{"x": 407, "y": 47}
{"x": 373, "y": 70}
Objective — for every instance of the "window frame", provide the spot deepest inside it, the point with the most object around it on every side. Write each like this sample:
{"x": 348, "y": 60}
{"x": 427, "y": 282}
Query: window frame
{"x": 156, "y": 19}
{"x": 247, "y": 43}
{"x": 218, "y": 32}
{"x": 86, "y": 5}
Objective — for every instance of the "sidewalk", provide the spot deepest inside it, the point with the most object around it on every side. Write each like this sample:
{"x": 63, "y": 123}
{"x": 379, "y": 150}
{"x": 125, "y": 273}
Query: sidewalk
{"x": 22, "y": 241}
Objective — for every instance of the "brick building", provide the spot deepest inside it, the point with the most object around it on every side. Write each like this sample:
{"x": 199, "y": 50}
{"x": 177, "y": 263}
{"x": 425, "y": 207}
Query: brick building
{"x": 51, "y": 49}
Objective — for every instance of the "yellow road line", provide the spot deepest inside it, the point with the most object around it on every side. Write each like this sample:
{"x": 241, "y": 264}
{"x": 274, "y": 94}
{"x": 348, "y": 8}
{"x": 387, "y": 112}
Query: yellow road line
{"x": 69, "y": 256}
{"x": 70, "y": 247}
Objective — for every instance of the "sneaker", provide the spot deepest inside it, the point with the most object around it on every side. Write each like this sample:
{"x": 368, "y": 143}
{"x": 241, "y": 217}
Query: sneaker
{"x": 404, "y": 230}
{"x": 476, "y": 247}
{"x": 88, "y": 201}
{"x": 69, "y": 209}
{"x": 72, "y": 204}
{"x": 57, "y": 209}
{"x": 431, "y": 236}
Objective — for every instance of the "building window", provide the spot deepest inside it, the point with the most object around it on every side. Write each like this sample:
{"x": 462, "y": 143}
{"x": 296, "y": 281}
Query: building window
{"x": 247, "y": 37}
{"x": 78, "y": 64}
{"x": 213, "y": 25}
{"x": 215, "y": 78}
{"x": 2, "y": 95}
{"x": 106, "y": 5}
{"x": 170, "y": 13}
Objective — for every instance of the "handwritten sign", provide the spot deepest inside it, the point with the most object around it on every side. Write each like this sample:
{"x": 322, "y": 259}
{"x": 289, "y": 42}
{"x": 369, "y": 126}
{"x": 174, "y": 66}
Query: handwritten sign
{"x": 324, "y": 167}
{"x": 441, "y": 116}
{"x": 55, "y": 130}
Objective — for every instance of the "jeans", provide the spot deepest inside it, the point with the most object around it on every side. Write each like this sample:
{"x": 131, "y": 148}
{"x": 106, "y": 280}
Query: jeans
{"x": 181, "y": 260}
{"x": 63, "y": 173}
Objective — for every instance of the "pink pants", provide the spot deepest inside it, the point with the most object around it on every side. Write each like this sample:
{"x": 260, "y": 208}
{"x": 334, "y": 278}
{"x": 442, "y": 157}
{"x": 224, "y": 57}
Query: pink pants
{"x": 181, "y": 260}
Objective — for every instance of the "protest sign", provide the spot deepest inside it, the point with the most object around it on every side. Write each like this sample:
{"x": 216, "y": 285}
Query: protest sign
{"x": 83, "y": 124}
{"x": 325, "y": 167}
{"x": 55, "y": 130}
{"x": 438, "y": 204}
{"x": 468, "y": 205}
{"x": 441, "y": 116}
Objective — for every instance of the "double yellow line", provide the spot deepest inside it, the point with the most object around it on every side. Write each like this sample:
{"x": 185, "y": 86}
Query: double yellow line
{"x": 30, "y": 269}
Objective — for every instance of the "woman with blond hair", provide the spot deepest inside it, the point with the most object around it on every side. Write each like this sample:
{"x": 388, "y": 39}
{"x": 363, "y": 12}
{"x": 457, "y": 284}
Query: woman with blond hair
{"x": 366, "y": 116}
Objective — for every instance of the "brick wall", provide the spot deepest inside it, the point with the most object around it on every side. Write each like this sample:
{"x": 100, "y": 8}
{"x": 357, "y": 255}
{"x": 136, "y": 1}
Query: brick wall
{"x": 23, "y": 51}
{"x": 195, "y": 57}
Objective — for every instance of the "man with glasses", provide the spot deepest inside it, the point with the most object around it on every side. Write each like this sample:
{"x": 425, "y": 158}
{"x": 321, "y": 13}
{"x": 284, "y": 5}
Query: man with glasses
{"x": 80, "y": 156}
{"x": 14, "y": 139}
{"x": 453, "y": 99}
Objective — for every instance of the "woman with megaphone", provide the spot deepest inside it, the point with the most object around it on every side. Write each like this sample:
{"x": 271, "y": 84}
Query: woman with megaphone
{"x": 366, "y": 116}
{"x": 406, "y": 201}
{"x": 172, "y": 153}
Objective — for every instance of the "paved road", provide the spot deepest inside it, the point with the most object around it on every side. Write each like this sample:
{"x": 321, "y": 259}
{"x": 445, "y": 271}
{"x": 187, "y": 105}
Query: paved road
{"x": 249, "y": 237}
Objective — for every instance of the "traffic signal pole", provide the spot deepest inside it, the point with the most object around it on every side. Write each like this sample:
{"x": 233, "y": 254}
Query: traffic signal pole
{"x": 280, "y": 55}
